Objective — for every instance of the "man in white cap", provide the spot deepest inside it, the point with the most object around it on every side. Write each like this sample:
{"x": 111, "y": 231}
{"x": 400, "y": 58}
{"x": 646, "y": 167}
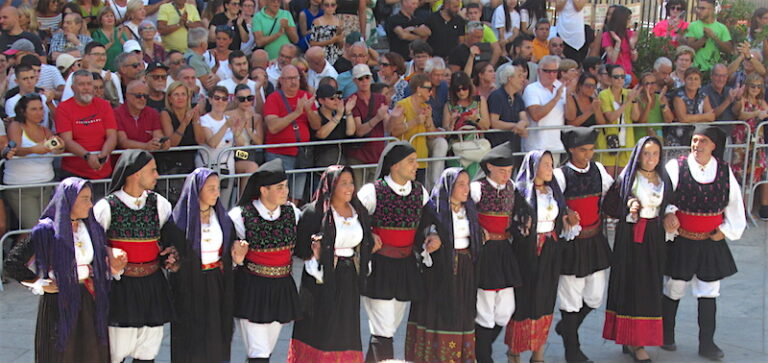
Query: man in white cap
{"x": 132, "y": 46}
{"x": 318, "y": 66}
{"x": 67, "y": 63}
{"x": 359, "y": 54}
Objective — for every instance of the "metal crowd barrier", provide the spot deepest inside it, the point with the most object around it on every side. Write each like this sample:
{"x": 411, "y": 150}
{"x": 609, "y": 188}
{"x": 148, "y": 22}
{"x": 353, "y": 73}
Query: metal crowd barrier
{"x": 761, "y": 127}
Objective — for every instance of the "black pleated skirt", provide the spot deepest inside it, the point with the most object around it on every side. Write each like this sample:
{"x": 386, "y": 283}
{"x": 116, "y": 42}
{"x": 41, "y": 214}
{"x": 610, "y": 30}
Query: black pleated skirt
{"x": 708, "y": 260}
{"x": 202, "y": 338}
{"x": 442, "y": 328}
{"x": 329, "y": 329}
{"x": 83, "y": 345}
{"x": 265, "y": 300}
{"x": 394, "y": 278}
{"x": 135, "y": 302}
{"x": 497, "y": 266}
{"x": 633, "y": 311}
{"x": 541, "y": 273}
{"x": 585, "y": 256}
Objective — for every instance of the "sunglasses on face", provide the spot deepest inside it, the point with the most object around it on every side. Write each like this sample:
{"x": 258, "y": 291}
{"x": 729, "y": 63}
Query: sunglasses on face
{"x": 364, "y": 78}
{"x": 427, "y": 87}
{"x": 246, "y": 98}
{"x": 755, "y": 86}
{"x": 618, "y": 76}
{"x": 589, "y": 85}
{"x": 140, "y": 96}
{"x": 382, "y": 64}
{"x": 219, "y": 98}
{"x": 462, "y": 88}
{"x": 158, "y": 76}
{"x": 550, "y": 71}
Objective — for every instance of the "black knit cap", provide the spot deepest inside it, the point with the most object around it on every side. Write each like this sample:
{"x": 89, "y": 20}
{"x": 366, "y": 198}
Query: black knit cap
{"x": 717, "y": 136}
{"x": 269, "y": 173}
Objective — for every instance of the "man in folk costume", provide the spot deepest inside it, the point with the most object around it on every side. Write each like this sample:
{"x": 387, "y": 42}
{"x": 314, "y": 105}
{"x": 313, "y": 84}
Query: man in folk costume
{"x": 707, "y": 208}
{"x": 395, "y": 201}
{"x": 266, "y": 297}
{"x": 497, "y": 268}
{"x": 585, "y": 259}
{"x": 133, "y": 216}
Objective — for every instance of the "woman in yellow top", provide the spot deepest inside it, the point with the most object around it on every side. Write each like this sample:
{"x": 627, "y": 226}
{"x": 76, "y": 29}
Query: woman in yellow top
{"x": 619, "y": 106}
{"x": 412, "y": 115}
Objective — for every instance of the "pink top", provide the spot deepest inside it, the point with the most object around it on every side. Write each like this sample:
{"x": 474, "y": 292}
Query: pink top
{"x": 662, "y": 30}
{"x": 625, "y": 55}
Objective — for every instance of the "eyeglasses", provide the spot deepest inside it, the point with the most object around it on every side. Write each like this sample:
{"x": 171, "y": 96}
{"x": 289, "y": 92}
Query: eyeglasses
{"x": 140, "y": 96}
{"x": 756, "y": 85}
{"x": 461, "y": 88}
{"x": 285, "y": 56}
{"x": 158, "y": 76}
{"x": 335, "y": 97}
{"x": 678, "y": 8}
{"x": 618, "y": 76}
{"x": 246, "y": 98}
{"x": 366, "y": 77}
{"x": 384, "y": 64}
{"x": 134, "y": 65}
{"x": 589, "y": 85}
{"x": 550, "y": 71}
{"x": 235, "y": 4}
{"x": 292, "y": 78}
{"x": 98, "y": 54}
{"x": 219, "y": 98}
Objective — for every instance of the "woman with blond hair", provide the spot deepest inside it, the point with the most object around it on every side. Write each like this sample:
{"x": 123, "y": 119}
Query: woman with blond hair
{"x": 135, "y": 13}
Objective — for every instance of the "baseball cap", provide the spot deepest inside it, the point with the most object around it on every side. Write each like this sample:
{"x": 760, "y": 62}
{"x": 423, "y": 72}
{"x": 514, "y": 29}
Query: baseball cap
{"x": 131, "y": 46}
{"x": 64, "y": 61}
{"x": 327, "y": 91}
{"x": 156, "y": 65}
{"x": 21, "y": 45}
{"x": 361, "y": 70}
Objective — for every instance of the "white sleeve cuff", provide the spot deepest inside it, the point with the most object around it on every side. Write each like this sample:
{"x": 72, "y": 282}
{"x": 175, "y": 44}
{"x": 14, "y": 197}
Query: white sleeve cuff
{"x": 37, "y": 286}
{"x": 631, "y": 218}
{"x": 313, "y": 268}
{"x": 671, "y": 208}
{"x": 426, "y": 258}
{"x": 571, "y": 233}
{"x": 671, "y": 236}
{"x": 118, "y": 275}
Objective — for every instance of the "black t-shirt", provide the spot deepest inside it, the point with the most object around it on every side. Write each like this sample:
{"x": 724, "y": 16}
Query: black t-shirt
{"x": 157, "y": 105}
{"x": 221, "y": 19}
{"x": 6, "y": 41}
{"x": 460, "y": 54}
{"x": 396, "y": 44}
{"x": 445, "y": 35}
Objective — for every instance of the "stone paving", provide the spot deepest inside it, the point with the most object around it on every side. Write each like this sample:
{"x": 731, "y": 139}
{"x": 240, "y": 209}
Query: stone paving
{"x": 741, "y": 319}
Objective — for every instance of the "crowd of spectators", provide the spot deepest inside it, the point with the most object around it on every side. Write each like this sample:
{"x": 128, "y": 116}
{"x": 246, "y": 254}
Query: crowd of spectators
{"x": 97, "y": 76}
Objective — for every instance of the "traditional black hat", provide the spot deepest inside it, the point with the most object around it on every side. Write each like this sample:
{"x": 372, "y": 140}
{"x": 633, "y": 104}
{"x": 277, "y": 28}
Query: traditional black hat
{"x": 501, "y": 155}
{"x": 269, "y": 173}
{"x": 717, "y": 136}
{"x": 393, "y": 154}
{"x": 130, "y": 163}
{"x": 578, "y": 136}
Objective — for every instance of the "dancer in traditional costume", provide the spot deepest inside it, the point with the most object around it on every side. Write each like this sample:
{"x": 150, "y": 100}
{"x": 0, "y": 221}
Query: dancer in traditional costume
{"x": 133, "y": 216}
{"x": 441, "y": 325}
{"x": 497, "y": 269}
{"x": 335, "y": 241}
{"x": 707, "y": 208}
{"x": 70, "y": 254}
{"x": 585, "y": 259}
{"x": 265, "y": 293}
{"x": 540, "y": 216}
{"x": 395, "y": 202}
{"x": 637, "y": 199}
{"x": 203, "y": 286}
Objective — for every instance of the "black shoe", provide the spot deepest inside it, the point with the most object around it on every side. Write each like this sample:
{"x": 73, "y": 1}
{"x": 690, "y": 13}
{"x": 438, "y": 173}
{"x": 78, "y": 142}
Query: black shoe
{"x": 625, "y": 350}
{"x": 712, "y": 352}
{"x": 763, "y": 212}
{"x": 669, "y": 347}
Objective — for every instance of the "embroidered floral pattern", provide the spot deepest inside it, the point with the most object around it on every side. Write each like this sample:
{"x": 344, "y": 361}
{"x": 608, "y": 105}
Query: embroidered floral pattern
{"x": 263, "y": 234}
{"x": 395, "y": 211}
{"x": 694, "y": 197}
{"x": 496, "y": 202}
{"x": 130, "y": 224}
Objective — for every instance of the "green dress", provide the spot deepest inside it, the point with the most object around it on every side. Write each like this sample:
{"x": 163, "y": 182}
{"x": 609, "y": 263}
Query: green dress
{"x": 113, "y": 51}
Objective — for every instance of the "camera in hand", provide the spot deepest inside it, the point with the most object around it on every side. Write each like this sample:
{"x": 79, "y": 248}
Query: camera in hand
{"x": 7, "y": 149}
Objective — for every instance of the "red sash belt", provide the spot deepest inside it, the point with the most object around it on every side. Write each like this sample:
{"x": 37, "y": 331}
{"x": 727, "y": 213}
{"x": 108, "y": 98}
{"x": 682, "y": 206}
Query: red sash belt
{"x": 541, "y": 238}
{"x": 395, "y": 237}
{"x": 395, "y": 252}
{"x": 494, "y": 223}
{"x": 699, "y": 222}
{"x": 211, "y": 266}
{"x": 138, "y": 251}
{"x": 639, "y": 231}
{"x": 588, "y": 209}
{"x": 280, "y": 256}
{"x": 141, "y": 269}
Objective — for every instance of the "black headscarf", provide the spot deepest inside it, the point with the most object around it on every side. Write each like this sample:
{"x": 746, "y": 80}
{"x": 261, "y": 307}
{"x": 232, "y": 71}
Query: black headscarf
{"x": 55, "y": 250}
{"x": 393, "y": 153}
{"x": 320, "y": 209}
{"x": 269, "y": 173}
{"x": 524, "y": 184}
{"x": 717, "y": 136}
{"x": 501, "y": 155}
{"x": 130, "y": 163}
{"x": 627, "y": 177}
{"x": 186, "y": 214}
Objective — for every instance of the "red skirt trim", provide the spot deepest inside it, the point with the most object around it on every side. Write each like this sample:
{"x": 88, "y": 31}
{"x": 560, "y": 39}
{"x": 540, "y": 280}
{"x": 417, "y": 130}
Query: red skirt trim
{"x": 528, "y": 334}
{"x": 429, "y": 345}
{"x": 299, "y": 351}
{"x": 633, "y": 330}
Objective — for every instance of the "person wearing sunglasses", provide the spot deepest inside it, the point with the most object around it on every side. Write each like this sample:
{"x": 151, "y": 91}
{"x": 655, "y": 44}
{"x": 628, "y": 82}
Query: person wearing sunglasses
{"x": 753, "y": 109}
{"x": 130, "y": 67}
{"x": 138, "y": 126}
{"x": 219, "y": 132}
{"x": 619, "y": 107}
{"x": 545, "y": 102}
{"x": 247, "y": 161}
{"x": 619, "y": 40}
{"x": 337, "y": 123}
{"x": 708, "y": 36}
{"x": 674, "y": 25}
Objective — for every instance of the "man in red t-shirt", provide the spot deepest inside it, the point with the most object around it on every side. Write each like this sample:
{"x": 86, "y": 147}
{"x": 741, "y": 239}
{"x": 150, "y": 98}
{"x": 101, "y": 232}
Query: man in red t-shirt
{"x": 138, "y": 126}
{"x": 289, "y": 126}
{"x": 87, "y": 125}
{"x": 371, "y": 113}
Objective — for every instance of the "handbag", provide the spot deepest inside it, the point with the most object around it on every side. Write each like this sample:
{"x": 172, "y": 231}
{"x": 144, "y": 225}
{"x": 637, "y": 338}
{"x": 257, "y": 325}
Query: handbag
{"x": 470, "y": 151}
{"x": 304, "y": 158}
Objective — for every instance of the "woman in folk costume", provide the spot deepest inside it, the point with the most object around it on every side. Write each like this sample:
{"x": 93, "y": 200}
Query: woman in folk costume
{"x": 203, "y": 286}
{"x": 540, "y": 216}
{"x": 335, "y": 241}
{"x": 70, "y": 255}
{"x": 441, "y": 326}
{"x": 638, "y": 198}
